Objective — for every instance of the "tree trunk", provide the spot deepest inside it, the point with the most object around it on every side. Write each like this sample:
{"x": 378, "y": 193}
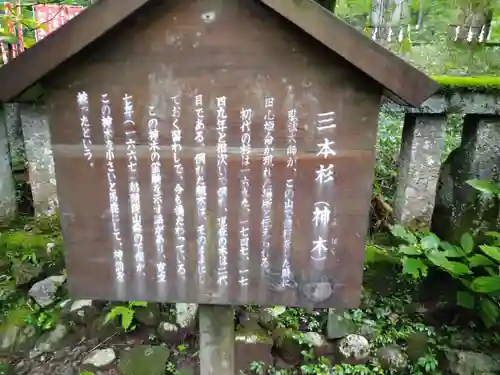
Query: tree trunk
{"x": 387, "y": 17}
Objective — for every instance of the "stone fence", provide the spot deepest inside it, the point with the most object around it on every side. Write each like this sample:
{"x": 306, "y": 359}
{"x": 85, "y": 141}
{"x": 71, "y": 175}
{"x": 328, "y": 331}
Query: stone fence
{"x": 24, "y": 135}
{"x": 426, "y": 186}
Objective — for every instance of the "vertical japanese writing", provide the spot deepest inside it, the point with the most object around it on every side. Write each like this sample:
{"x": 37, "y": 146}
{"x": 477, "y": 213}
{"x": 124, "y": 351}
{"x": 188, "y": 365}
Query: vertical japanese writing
{"x": 158, "y": 220}
{"x": 291, "y": 151}
{"x": 322, "y": 214}
{"x": 133, "y": 184}
{"x": 180, "y": 239}
{"x": 267, "y": 187}
{"x": 286, "y": 270}
{"x": 222, "y": 271}
{"x": 114, "y": 207}
{"x": 82, "y": 99}
{"x": 201, "y": 187}
{"x": 245, "y": 151}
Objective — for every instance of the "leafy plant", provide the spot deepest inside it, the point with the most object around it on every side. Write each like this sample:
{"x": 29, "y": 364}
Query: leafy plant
{"x": 485, "y": 186}
{"x": 321, "y": 367}
{"x": 172, "y": 368}
{"x": 22, "y": 16}
{"x": 126, "y": 314}
{"x": 476, "y": 268}
{"x": 343, "y": 369}
{"x": 43, "y": 320}
{"x": 428, "y": 364}
{"x": 258, "y": 367}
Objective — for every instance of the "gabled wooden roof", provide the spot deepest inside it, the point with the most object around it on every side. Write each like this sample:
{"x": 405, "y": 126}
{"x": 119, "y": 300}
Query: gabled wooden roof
{"x": 401, "y": 81}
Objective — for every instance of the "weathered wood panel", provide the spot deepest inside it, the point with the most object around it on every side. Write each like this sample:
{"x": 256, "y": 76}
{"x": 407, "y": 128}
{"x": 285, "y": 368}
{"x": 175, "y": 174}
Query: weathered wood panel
{"x": 234, "y": 61}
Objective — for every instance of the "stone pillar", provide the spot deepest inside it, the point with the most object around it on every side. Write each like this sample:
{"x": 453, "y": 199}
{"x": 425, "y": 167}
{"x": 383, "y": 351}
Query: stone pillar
{"x": 216, "y": 340}
{"x": 15, "y": 135}
{"x": 35, "y": 125}
{"x": 7, "y": 186}
{"x": 459, "y": 207}
{"x": 422, "y": 146}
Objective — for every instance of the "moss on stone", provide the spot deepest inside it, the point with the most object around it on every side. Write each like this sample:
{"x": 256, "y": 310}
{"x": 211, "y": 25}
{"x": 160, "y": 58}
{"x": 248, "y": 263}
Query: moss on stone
{"x": 473, "y": 83}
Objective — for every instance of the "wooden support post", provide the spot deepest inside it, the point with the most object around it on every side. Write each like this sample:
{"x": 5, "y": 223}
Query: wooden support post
{"x": 216, "y": 340}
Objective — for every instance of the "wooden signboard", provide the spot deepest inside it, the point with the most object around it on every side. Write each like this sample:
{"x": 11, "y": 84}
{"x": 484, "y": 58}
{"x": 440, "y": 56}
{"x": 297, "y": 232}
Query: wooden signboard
{"x": 213, "y": 199}
{"x": 217, "y": 152}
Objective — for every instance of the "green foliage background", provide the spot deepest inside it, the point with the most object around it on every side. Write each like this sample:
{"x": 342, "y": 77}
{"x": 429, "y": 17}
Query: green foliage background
{"x": 429, "y": 47}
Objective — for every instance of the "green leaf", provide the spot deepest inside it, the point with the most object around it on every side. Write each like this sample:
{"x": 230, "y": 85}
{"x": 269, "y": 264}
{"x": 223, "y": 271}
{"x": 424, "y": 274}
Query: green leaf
{"x": 493, "y": 234}
{"x": 490, "y": 311}
{"x": 277, "y": 311}
{"x": 399, "y": 231}
{"x": 127, "y": 318}
{"x": 491, "y": 251}
{"x": 467, "y": 243}
{"x": 485, "y": 186}
{"x": 465, "y": 299}
{"x": 414, "y": 267}
{"x": 430, "y": 242}
{"x": 491, "y": 271}
{"x": 456, "y": 268}
{"x": 486, "y": 284}
{"x": 409, "y": 250}
{"x": 29, "y": 42}
{"x": 451, "y": 251}
{"x": 479, "y": 260}
{"x": 138, "y": 303}
{"x": 31, "y": 23}
{"x": 115, "y": 311}
{"x": 437, "y": 257}
{"x": 8, "y": 38}
{"x": 110, "y": 316}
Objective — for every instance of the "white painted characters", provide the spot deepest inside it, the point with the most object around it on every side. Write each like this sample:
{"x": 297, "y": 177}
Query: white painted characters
{"x": 291, "y": 152}
{"x": 267, "y": 186}
{"x": 246, "y": 115}
{"x": 286, "y": 268}
{"x": 156, "y": 188}
{"x": 326, "y": 148}
{"x": 292, "y": 128}
{"x": 326, "y": 121}
{"x": 114, "y": 206}
{"x": 82, "y": 100}
{"x": 222, "y": 270}
{"x": 320, "y": 249}
{"x": 179, "y": 230}
{"x": 324, "y": 175}
{"x": 323, "y": 214}
{"x": 201, "y": 188}
{"x": 134, "y": 189}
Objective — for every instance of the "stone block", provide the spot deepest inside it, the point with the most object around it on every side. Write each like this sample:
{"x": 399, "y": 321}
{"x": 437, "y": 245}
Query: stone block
{"x": 35, "y": 124}
{"x": 7, "y": 187}
{"x": 419, "y": 164}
